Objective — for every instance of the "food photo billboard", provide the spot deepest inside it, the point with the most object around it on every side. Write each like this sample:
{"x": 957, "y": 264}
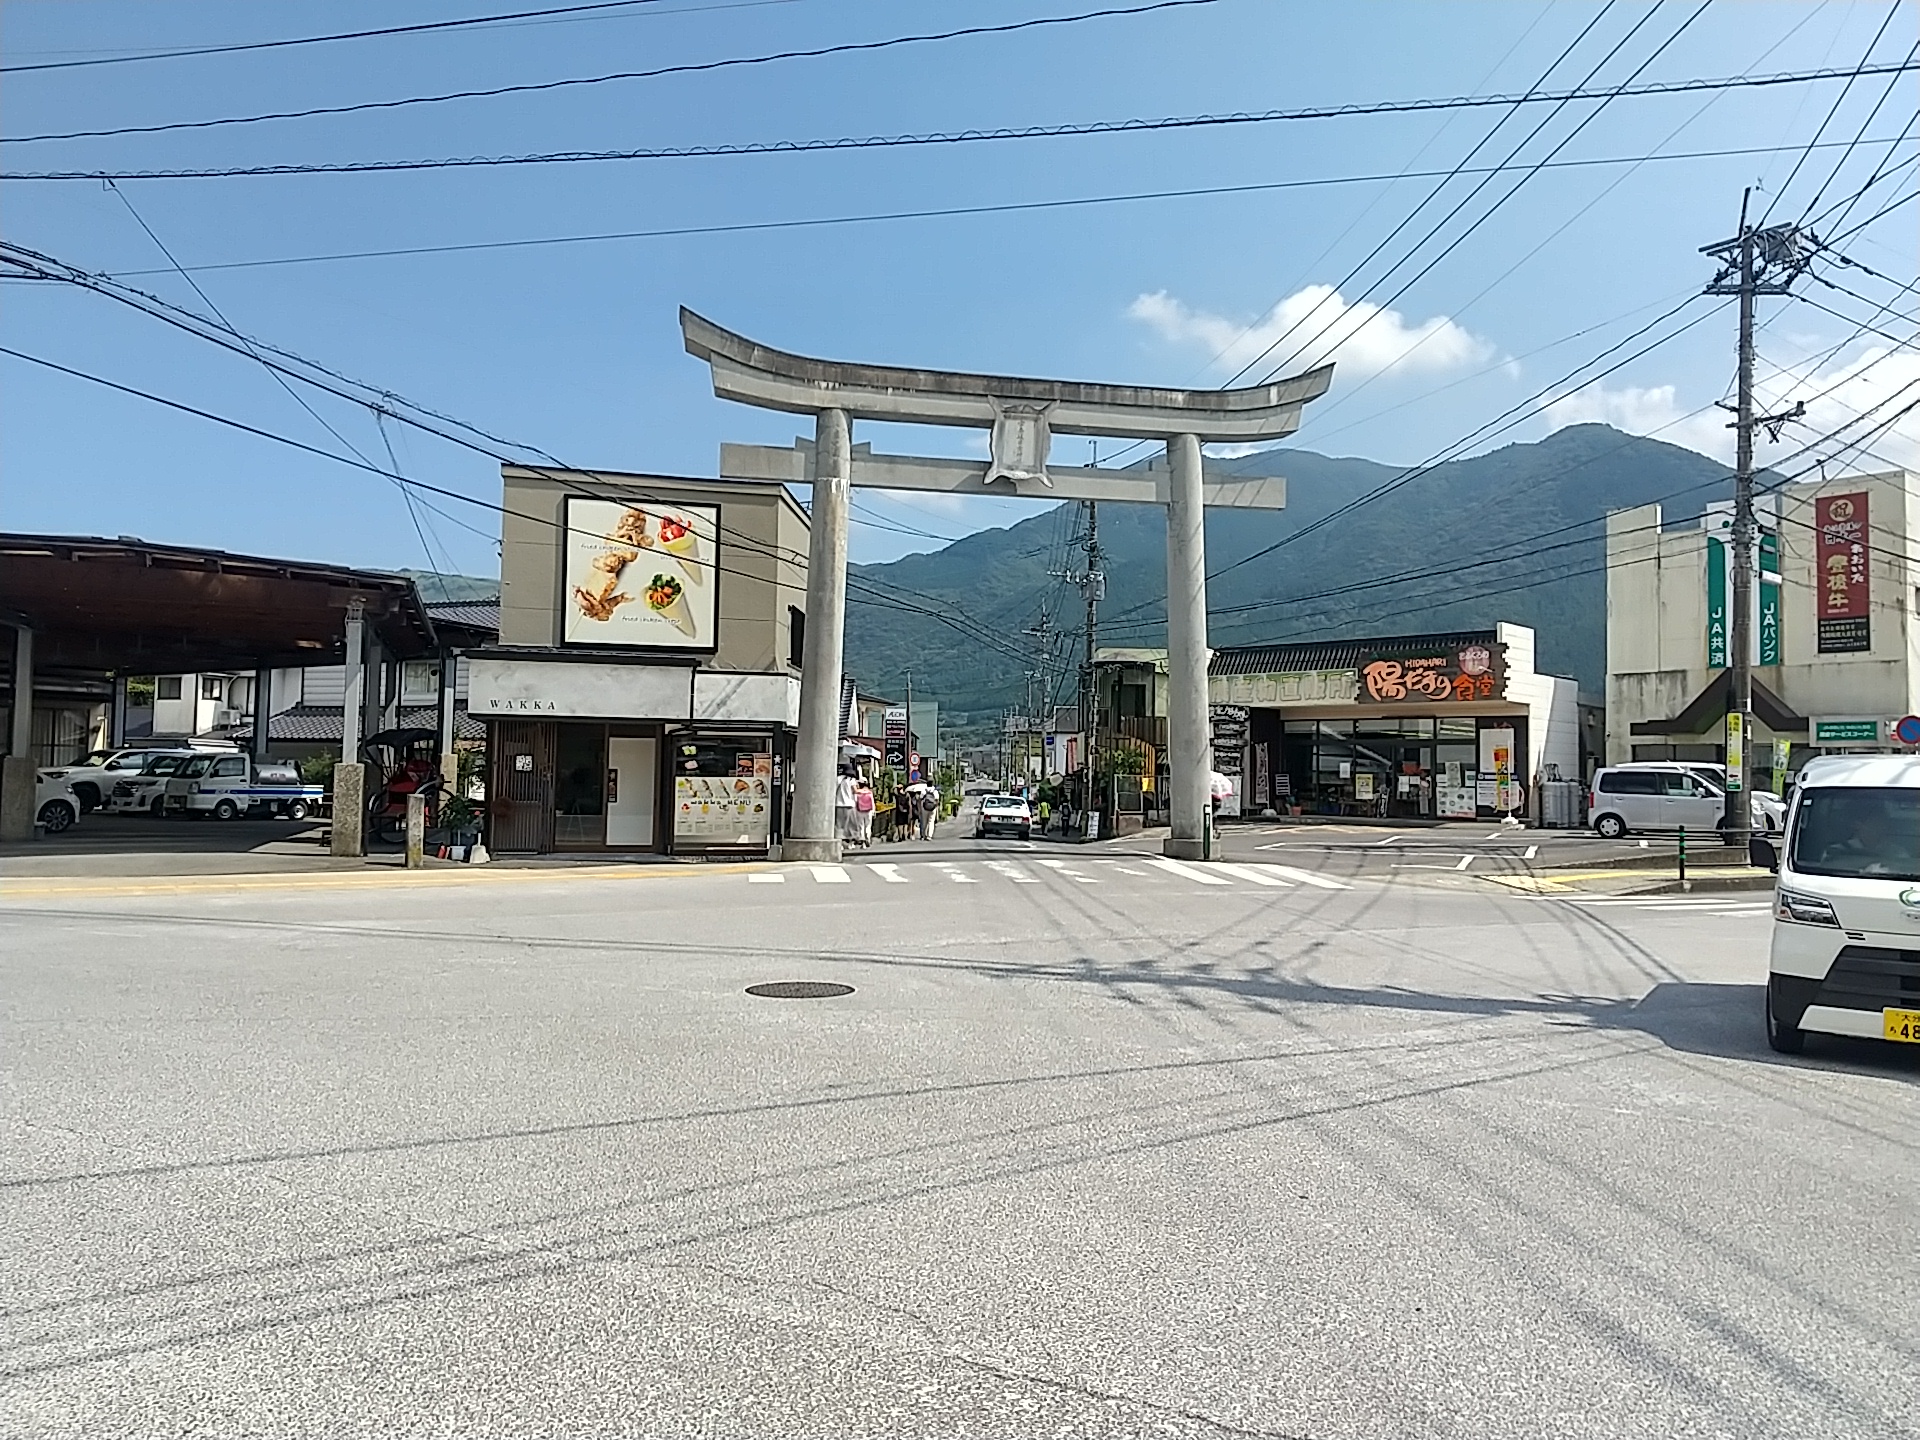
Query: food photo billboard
{"x": 644, "y": 575}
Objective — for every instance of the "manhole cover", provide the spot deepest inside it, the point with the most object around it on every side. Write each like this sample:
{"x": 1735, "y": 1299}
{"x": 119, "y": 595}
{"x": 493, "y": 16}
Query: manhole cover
{"x": 798, "y": 990}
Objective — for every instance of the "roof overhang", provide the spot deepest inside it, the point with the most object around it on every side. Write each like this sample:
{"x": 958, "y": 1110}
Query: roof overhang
{"x": 128, "y": 607}
{"x": 1710, "y": 705}
{"x": 757, "y": 374}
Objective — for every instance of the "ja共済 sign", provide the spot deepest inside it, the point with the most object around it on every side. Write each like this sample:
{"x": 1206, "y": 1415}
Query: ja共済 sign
{"x": 1471, "y": 672}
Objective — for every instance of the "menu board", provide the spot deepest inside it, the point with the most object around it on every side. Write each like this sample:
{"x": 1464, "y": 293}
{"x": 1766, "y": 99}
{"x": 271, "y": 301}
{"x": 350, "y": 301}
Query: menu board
{"x": 732, "y": 809}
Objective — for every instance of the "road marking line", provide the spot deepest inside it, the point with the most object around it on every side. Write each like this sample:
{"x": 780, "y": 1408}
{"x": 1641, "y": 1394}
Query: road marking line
{"x": 889, "y": 872}
{"x": 957, "y": 877}
{"x": 1532, "y": 850}
{"x": 1185, "y": 872}
{"x": 1125, "y": 871}
{"x": 831, "y": 875}
{"x": 1465, "y": 860}
{"x": 1011, "y": 871}
{"x": 1252, "y": 874}
{"x": 1052, "y": 864}
{"x": 1307, "y": 877}
{"x": 1388, "y": 841}
{"x": 765, "y": 878}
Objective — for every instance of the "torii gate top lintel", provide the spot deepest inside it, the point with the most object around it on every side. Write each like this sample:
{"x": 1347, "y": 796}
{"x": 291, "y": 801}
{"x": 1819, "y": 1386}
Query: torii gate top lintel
{"x": 757, "y": 374}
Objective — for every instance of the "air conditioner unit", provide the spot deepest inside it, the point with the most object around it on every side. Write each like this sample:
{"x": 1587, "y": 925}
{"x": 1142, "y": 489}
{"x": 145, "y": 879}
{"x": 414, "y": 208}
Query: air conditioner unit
{"x": 227, "y": 715}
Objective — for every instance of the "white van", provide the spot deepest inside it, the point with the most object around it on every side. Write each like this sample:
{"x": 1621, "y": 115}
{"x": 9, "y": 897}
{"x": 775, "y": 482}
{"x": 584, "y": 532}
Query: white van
{"x": 1846, "y": 928}
{"x": 1653, "y": 796}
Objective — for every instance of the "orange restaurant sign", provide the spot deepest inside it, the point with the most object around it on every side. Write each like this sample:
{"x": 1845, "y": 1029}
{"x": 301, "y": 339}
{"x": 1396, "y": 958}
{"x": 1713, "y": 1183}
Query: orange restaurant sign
{"x": 1473, "y": 672}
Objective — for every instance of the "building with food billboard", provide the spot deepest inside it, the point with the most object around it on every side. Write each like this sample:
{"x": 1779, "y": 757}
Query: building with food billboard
{"x": 1836, "y": 638}
{"x": 644, "y": 694}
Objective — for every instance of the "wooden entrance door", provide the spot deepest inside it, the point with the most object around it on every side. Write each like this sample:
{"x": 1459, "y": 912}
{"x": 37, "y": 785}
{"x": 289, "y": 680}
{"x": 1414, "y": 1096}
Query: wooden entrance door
{"x": 520, "y": 790}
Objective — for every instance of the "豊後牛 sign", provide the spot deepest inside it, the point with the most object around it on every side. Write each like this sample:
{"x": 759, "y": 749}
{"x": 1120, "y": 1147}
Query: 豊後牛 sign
{"x": 1842, "y": 610}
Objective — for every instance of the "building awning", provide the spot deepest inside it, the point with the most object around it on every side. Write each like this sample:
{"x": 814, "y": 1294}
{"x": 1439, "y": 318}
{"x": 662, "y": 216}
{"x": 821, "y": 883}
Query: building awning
{"x": 1710, "y": 705}
{"x": 1335, "y": 654}
{"x": 322, "y": 724}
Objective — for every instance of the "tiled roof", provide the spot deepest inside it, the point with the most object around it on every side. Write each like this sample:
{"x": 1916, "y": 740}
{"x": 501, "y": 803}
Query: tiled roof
{"x": 321, "y": 724}
{"x": 471, "y": 614}
{"x": 1333, "y": 654}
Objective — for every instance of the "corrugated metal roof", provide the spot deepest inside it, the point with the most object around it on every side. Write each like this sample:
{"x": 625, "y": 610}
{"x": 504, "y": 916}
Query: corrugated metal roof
{"x": 322, "y": 724}
{"x": 1334, "y": 654}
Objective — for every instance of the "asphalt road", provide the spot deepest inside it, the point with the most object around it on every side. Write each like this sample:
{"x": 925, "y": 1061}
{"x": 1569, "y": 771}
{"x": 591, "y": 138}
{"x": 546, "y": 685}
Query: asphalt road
{"x": 1095, "y": 1147}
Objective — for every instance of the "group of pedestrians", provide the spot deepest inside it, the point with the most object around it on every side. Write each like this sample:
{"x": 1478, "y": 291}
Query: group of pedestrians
{"x": 915, "y": 809}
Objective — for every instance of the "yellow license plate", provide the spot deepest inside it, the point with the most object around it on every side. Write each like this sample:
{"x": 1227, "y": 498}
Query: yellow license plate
{"x": 1901, "y": 1025}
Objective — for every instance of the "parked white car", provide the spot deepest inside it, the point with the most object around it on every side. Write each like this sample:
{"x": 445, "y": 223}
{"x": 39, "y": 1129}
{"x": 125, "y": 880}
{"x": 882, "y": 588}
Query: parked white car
{"x": 145, "y": 792}
{"x": 55, "y": 806}
{"x": 94, "y": 774}
{"x": 1768, "y": 810}
{"x": 1650, "y": 795}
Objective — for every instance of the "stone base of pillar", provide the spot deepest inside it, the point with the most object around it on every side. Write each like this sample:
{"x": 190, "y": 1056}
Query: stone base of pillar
{"x": 818, "y": 852}
{"x": 1183, "y": 849}
{"x": 16, "y": 797}
{"x": 349, "y": 810}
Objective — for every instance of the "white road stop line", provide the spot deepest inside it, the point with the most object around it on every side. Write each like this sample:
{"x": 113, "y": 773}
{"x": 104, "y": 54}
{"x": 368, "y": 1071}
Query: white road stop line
{"x": 766, "y": 878}
{"x": 889, "y": 873}
{"x": 1307, "y": 877}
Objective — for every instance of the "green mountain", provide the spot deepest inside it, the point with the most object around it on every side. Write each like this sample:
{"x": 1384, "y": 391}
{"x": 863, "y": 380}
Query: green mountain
{"x": 438, "y": 589}
{"x": 1515, "y": 534}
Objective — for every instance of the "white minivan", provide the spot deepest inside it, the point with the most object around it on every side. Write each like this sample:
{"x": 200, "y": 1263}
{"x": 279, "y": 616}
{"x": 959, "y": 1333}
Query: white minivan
{"x": 1663, "y": 796}
{"x": 1846, "y": 915}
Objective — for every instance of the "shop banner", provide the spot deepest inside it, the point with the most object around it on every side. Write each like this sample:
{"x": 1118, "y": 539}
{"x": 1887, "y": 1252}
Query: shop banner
{"x": 1782, "y": 749}
{"x": 1840, "y": 558}
{"x": 1736, "y": 750}
{"x": 1769, "y": 628}
{"x": 1472, "y": 672}
{"x": 1716, "y": 604}
{"x": 641, "y": 576}
{"x": 1229, "y": 746}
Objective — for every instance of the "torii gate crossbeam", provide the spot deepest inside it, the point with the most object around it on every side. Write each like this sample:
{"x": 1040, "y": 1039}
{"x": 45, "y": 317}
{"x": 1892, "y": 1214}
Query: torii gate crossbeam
{"x": 1021, "y": 415}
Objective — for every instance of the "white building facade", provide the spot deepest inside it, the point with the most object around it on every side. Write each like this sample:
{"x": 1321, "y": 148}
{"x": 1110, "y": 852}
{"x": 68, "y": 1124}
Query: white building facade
{"x": 1837, "y": 634}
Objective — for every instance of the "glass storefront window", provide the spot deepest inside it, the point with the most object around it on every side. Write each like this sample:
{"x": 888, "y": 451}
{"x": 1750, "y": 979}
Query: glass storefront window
{"x": 723, "y": 791}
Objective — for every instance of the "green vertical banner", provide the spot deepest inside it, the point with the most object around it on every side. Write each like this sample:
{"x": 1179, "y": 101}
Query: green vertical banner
{"x": 1716, "y": 604}
{"x": 1736, "y": 751}
{"x": 1781, "y": 754}
{"x": 1769, "y": 617}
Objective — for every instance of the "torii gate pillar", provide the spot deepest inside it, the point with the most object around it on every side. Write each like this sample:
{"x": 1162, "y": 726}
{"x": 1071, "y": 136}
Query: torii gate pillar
{"x": 1021, "y": 415}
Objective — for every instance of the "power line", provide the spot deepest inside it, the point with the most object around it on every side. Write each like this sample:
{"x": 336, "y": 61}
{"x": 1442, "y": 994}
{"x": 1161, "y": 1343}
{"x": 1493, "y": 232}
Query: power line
{"x": 1130, "y": 126}
{"x": 952, "y": 211}
{"x": 690, "y": 68}
{"x": 470, "y": 21}
{"x": 1827, "y": 120}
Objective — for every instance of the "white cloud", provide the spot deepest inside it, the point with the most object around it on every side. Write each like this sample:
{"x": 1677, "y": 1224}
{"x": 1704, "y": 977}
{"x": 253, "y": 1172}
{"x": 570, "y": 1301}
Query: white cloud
{"x": 1835, "y": 394}
{"x": 1313, "y": 325}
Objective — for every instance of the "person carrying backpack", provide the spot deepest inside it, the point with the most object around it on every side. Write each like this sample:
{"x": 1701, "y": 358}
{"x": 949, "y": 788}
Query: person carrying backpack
{"x": 863, "y": 815}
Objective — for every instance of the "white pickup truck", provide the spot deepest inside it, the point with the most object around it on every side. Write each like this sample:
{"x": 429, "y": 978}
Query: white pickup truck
{"x": 229, "y": 786}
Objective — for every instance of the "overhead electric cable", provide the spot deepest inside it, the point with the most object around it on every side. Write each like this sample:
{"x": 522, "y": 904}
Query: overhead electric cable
{"x": 849, "y": 47}
{"x": 967, "y": 137}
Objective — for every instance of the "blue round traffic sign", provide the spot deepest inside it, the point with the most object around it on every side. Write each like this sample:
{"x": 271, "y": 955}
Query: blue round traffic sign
{"x": 1908, "y": 730}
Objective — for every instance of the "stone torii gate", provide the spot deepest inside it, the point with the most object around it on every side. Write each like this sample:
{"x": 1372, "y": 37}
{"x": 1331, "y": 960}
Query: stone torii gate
{"x": 1021, "y": 416}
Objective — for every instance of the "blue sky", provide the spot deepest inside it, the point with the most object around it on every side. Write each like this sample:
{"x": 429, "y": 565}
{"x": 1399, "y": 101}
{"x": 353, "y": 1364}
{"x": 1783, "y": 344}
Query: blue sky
{"x": 575, "y": 348}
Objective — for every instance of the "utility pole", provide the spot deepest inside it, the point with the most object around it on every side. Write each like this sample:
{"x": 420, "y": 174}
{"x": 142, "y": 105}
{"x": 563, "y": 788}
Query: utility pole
{"x": 1757, "y": 261}
{"x": 909, "y": 724}
{"x": 1095, "y": 585}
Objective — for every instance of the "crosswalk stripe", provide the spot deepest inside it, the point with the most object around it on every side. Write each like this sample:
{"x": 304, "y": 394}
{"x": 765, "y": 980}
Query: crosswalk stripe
{"x": 1307, "y": 877}
{"x": 1185, "y": 872}
{"x": 831, "y": 874}
{"x": 1011, "y": 871}
{"x": 1252, "y": 874}
{"x": 766, "y": 877}
{"x": 889, "y": 873}
{"x": 959, "y": 877}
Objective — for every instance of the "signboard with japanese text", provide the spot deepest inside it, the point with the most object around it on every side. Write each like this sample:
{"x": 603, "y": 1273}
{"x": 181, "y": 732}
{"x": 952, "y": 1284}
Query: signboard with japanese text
{"x": 1769, "y": 618}
{"x": 1843, "y": 621}
{"x": 896, "y": 736}
{"x": 1736, "y": 750}
{"x": 1716, "y": 604}
{"x": 1448, "y": 675}
{"x": 1228, "y": 725}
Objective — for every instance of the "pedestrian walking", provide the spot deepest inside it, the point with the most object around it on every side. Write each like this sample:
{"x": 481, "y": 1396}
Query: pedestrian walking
{"x": 863, "y": 815}
{"x": 843, "y": 804}
{"x": 1046, "y": 814}
{"x": 929, "y": 811}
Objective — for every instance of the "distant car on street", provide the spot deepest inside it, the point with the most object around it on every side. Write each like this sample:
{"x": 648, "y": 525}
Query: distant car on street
{"x": 1655, "y": 795}
{"x": 1004, "y": 814}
